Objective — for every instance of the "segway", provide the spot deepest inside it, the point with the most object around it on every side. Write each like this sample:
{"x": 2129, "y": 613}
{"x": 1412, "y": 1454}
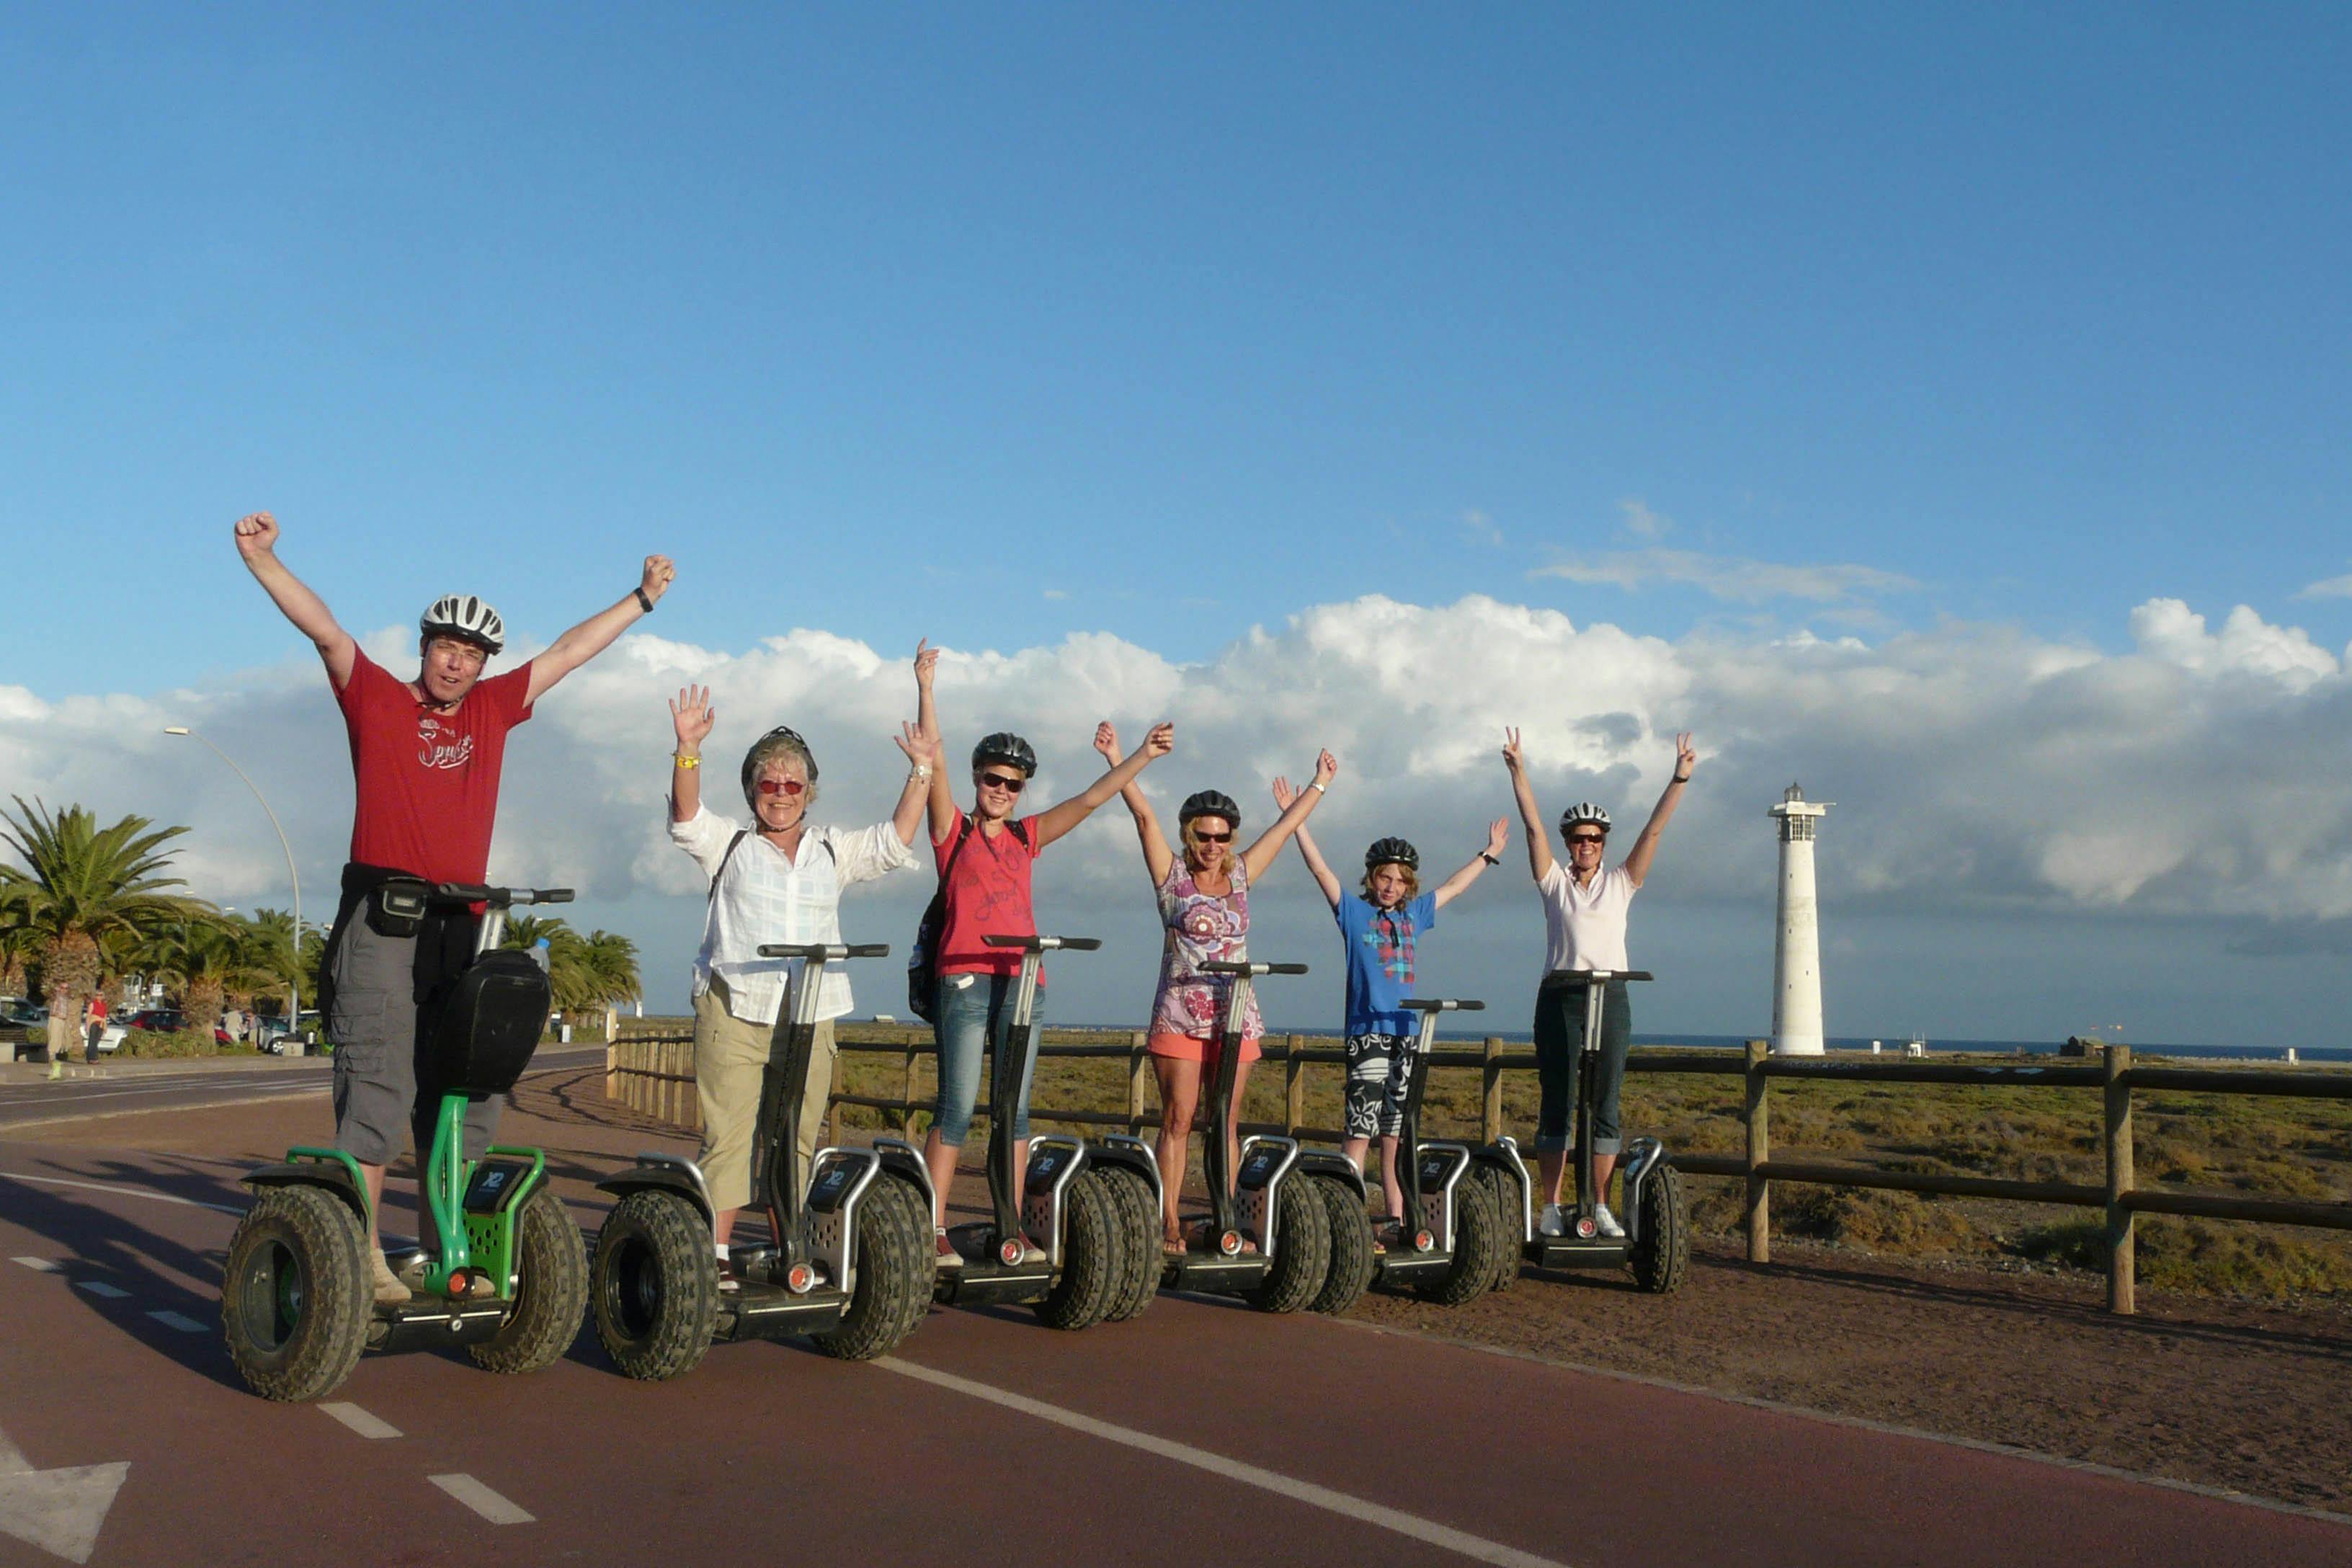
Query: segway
{"x": 511, "y": 1282}
{"x": 1267, "y": 1235}
{"x": 1451, "y": 1231}
{"x": 1093, "y": 1204}
{"x": 849, "y": 1262}
{"x": 1656, "y": 1243}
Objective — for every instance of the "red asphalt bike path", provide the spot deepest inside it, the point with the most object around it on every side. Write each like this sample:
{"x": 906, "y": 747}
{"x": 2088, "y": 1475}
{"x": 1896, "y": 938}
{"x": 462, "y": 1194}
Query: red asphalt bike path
{"x": 771, "y": 1449}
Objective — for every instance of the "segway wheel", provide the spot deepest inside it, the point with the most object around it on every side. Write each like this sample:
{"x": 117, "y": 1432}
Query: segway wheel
{"x": 1503, "y": 1194}
{"x": 1302, "y": 1248}
{"x": 894, "y": 1267}
{"x": 295, "y": 1294}
{"x": 1474, "y": 1225}
{"x": 551, "y": 1290}
{"x": 1094, "y": 1260}
{"x": 654, "y": 1284}
{"x": 1137, "y": 1215}
{"x": 1661, "y": 1255}
{"x": 1350, "y": 1271}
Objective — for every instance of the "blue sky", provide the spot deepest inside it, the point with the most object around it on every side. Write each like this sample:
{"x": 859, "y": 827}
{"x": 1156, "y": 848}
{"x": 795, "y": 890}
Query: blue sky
{"x": 1004, "y": 325}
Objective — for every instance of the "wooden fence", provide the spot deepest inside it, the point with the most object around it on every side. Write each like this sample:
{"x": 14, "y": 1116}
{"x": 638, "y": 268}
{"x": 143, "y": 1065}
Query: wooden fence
{"x": 653, "y": 1074}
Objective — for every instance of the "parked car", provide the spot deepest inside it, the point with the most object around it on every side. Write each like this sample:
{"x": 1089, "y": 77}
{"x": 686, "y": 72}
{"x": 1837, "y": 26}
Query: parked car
{"x": 16, "y": 1013}
{"x": 270, "y": 1033}
{"x": 162, "y": 1021}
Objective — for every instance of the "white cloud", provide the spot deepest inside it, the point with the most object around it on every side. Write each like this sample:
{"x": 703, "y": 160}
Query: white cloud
{"x": 2327, "y": 588}
{"x": 1641, "y": 521}
{"x": 2246, "y": 644}
{"x": 1728, "y": 577}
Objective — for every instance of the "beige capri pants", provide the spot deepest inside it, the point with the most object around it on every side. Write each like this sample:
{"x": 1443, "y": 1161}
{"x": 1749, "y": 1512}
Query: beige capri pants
{"x": 730, "y": 1056}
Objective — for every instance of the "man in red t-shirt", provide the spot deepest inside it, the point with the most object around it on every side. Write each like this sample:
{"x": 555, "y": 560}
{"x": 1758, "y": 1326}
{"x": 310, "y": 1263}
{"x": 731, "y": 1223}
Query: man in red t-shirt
{"x": 426, "y": 755}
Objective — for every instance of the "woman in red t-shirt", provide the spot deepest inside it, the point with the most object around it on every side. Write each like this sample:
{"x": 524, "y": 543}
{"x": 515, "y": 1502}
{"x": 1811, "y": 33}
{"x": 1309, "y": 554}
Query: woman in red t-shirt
{"x": 984, "y": 862}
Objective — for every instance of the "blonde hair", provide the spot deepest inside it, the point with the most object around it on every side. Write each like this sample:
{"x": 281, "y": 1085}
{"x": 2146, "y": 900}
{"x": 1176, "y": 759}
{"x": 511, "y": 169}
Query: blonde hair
{"x": 1190, "y": 835}
{"x": 1411, "y": 882}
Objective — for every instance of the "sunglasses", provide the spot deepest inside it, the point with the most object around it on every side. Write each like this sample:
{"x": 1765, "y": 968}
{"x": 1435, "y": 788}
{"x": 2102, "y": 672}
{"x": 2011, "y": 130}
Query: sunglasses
{"x": 1224, "y": 838}
{"x": 780, "y": 786}
{"x": 1585, "y": 838}
{"x": 1005, "y": 782}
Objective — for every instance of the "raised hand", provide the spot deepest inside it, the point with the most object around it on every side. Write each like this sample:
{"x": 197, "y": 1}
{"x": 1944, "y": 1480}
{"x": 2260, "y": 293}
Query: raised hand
{"x": 1325, "y": 767}
{"x": 1511, "y": 757}
{"x": 256, "y": 534}
{"x": 660, "y": 570}
{"x": 1160, "y": 741}
{"x": 691, "y": 712}
{"x": 1498, "y": 832}
{"x": 1107, "y": 743}
{"x": 1685, "y": 754}
{"x": 920, "y": 748}
{"x": 927, "y": 664}
{"x": 1283, "y": 794}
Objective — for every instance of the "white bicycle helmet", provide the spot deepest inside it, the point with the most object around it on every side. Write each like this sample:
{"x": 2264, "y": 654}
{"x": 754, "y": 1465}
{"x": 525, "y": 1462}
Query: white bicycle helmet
{"x": 1583, "y": 811}
{"x": 464, "y": 616}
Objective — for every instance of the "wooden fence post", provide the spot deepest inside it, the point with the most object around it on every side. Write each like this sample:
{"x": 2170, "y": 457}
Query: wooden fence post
{"x": 631, "y": 1055}
{"x": 1293, "y": 1090}
{"x": 1490, "y": 1108}
{"x": 2122, "y": 1260}
{"x": 1137, "y": 1068}
{"x": 906, "y": 1089}
{"x": 612, "y": 1066}
{"x": 1759, "y": 1149}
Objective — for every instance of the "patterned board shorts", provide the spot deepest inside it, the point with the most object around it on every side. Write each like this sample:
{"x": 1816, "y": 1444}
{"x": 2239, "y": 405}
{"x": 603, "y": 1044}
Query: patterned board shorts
{"x": 1379, "y": 1070}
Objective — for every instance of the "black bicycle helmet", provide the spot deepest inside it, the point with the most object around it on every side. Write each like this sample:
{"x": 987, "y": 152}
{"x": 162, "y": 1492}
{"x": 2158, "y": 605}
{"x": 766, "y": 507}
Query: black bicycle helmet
{"x": 1210, "y": 802}
{"x": 1391, "y": 852}
{"x": 1584, "y": 811}
{"x": 782, "y": 741}
{"x": 1007, "y": 748}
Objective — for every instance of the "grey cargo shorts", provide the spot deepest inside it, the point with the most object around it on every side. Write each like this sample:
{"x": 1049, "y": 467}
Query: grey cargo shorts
{"x": 385, "y": 1088}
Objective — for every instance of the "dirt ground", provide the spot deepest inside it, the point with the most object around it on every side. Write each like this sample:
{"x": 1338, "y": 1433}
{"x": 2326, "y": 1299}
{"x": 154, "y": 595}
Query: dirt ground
{"x": 2253, "y": 1399}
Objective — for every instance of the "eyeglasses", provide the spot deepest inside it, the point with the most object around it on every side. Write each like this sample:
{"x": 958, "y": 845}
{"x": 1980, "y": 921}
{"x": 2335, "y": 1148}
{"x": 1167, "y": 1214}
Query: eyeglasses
{"x": 1224, "y": 838}
{"x": 780, "y": 786}
{"x": 1587, "y": 839}
{"x": 1009, "y": 785}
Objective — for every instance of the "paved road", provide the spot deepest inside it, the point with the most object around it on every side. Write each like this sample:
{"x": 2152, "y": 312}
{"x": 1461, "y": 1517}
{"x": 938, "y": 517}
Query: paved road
{"x": 1200, "y": 1430}
{"x": 26, "y": 1099}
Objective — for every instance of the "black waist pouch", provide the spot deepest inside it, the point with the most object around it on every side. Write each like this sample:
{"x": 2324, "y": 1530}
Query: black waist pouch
{"x": 396, "y": 906}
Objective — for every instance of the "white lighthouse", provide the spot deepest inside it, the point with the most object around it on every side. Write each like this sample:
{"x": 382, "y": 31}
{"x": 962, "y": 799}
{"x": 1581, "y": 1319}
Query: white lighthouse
{"x": 1797, "y": 951}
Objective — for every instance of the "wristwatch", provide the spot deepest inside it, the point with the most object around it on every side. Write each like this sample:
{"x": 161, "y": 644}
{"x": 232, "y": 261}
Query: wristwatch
{"x": 1490, "y": 859}
{"x": 640, "y": 593}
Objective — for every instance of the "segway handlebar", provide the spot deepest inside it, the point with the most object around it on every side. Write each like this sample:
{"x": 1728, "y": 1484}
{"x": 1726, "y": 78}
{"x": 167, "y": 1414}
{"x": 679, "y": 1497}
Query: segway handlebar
{"x": 832, "y": 952}
{"x": 1451, "y": 1004}
{"x": 1221, "y": 967}
{"x": 499, "y": 898}
{"x": 1592, "y": 976}
{"x": 1046, "y": 943}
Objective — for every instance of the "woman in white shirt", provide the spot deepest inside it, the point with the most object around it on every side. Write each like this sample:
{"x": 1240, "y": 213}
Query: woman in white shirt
{"x": 777, "y": 880}
{"x": 1585, "y": 905}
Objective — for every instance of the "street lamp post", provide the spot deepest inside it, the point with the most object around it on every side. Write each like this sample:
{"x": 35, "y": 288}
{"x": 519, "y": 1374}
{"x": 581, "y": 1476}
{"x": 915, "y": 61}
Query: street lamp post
{"x": 294, "y": 981}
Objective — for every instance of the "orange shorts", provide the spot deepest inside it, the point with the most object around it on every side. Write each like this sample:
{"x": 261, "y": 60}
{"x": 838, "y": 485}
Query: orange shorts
{"x": 1187, "y": 1048}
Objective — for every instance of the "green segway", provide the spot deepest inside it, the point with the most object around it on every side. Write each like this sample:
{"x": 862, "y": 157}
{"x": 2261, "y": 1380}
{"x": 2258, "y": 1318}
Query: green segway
{"x": 512, "y": 1283}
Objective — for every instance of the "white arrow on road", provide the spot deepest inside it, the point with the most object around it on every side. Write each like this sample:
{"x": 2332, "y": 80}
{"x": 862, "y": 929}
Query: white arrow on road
{"x": 59, "y": 1511}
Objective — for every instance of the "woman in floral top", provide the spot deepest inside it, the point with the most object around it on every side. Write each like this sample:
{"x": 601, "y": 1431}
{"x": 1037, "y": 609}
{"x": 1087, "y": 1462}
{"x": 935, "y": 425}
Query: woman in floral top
{"x": 1204, "y": 904}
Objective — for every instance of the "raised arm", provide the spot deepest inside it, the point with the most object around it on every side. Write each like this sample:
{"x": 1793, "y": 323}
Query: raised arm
{"x": 1498, "y": 832}
{"x": 256, "y": 544}
{"x": 922, "y": 766}
{"x": 1637, "y": 863}
{"x": 939, "y": 802}
{"x": 1260, "y": 855}
{"x": 1284, "y": 798}
{"x": 1066, "y": 815}
{"x": 691, "y": 716}
{"x": 1530, "y": 814}
{"x": 594, "y": 635}
{"x": 1158, "y": 856}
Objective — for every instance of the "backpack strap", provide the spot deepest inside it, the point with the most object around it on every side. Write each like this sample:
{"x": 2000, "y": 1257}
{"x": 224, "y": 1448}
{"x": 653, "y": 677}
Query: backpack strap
{"x": 733, "y": 845}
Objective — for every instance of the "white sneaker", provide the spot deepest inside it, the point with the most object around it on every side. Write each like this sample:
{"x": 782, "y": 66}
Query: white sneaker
{"x": 1607, "y": 1223}
{"x": 1551, "y": 1222}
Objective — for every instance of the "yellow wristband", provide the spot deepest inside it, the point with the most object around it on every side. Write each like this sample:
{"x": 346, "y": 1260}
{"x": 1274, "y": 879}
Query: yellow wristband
{"x": 682, "y": 759}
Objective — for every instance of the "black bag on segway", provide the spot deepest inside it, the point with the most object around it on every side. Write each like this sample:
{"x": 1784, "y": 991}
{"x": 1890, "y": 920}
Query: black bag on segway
{"x": 491, "y": 1022}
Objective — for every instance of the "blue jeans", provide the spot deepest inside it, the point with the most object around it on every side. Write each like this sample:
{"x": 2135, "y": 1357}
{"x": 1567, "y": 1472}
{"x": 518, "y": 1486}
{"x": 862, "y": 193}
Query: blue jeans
{"x": 974, "y": 1012}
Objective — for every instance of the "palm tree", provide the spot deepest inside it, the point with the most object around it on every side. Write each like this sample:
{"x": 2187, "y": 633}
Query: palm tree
{"x": 82, "y": 884}
{"x": 19, "y": 942}
{"x": 205, "y": 956}
{"x": 270, "y": 959}
{"x": 613, "y": 959}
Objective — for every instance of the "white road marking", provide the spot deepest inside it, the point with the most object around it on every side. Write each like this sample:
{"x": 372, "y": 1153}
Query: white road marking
{"x": 59, "y": 1511}
{"x": 179, "y": 1321}
{"x": 101, "y": 1289}
{"x": 41, "y": 1264}
{"x": 481, "y": 1499}
{"x": 359, "y": 1421}
{"x": 123, "y": 1188}
{"x": 1476, "y": 1548}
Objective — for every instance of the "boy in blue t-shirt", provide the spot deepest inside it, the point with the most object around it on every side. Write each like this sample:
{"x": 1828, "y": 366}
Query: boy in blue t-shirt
{"x": 1379, "y": 926}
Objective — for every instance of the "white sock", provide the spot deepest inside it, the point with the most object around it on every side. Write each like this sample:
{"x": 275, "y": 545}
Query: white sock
{"x": 718, "y": 1249}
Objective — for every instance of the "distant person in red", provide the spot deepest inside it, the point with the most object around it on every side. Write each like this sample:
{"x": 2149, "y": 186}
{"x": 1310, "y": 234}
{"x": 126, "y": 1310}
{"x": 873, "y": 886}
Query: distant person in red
{"x": 93, "y": 1020}
{"x": 426, "y": 755}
